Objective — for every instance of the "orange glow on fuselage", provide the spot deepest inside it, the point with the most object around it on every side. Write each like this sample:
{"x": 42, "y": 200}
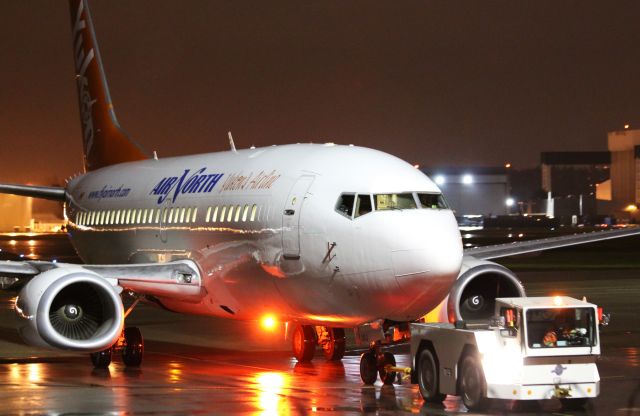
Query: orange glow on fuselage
{"x": 268, "y": 322}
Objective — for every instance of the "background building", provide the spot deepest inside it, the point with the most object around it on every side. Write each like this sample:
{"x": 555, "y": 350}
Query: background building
{"x": 574, "y": 173}
{"x": 474, "y": 191}
{"x": 16, "y": 213}
{"x": 624, "y": 146}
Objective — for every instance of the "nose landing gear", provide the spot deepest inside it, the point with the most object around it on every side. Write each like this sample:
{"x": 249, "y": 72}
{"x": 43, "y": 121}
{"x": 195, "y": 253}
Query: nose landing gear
{"x": 307, "y": 337}
{"x": 375, "y": 363}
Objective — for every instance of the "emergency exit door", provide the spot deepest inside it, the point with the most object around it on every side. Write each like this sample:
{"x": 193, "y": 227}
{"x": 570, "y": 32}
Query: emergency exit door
{"x": 291, "y": 217}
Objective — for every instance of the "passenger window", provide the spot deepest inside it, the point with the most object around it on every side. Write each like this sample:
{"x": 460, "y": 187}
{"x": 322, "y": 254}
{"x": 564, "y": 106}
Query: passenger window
{"x": 395, "y": 201}
{"x": 116, "y": 220}
{"x": 128, "y": 217}
{"x": 107, "y": 217}
{"x": 93, "y": 216}
{"x": 237, "y": 217}
{"x": 345, "y": 205}
{"x": 230, "y": 214}
{"x": 170, "y": 216}
{"x": 139, "y": 217}
{"x": 215, "y": 214}
{"x": 253, "y": 212}
{"x": 144, "y": 216}
{"x": 245, "y": 211}
{"x": 433, "y": 201}
{"x": 194, "y": 214}
{"x": 363, "y": 205}
{"x": 222, "y": 212}
{"x": 208, "y": 216}
{"x": 182, "y": 212}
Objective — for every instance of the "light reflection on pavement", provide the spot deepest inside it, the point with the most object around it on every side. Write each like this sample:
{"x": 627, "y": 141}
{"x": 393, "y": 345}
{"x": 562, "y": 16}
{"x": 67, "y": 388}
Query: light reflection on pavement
{"x": 220, "y": 383}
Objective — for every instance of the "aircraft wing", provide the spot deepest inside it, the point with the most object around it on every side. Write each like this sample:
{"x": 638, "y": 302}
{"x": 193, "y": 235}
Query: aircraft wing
{"x": 44, "y": 192}
{"x": 179, "y": 278}
{"x": 531, "y": 246}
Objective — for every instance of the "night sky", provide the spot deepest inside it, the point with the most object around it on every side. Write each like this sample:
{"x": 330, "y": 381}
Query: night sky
{"x": 437, "y": 83}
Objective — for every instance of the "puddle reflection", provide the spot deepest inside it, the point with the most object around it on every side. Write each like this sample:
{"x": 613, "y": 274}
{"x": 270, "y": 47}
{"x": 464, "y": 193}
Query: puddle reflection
{"x": 632, "y": 356}
{"x": 271, "y": 399}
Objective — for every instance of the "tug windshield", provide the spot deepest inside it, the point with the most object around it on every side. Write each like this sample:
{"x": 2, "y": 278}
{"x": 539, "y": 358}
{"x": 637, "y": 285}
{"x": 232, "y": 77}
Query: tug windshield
{"x": 561, "y": 327}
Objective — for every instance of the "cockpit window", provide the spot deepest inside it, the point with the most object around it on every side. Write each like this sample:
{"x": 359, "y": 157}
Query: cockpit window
{"x": 433, "y": 201}
{"x": 363, "y": 205}
{"x": 395, "y": 201}
{"x": 345, "y": 204}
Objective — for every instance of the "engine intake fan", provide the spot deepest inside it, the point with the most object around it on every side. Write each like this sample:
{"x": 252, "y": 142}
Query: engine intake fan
{"x": 73, "y": 309}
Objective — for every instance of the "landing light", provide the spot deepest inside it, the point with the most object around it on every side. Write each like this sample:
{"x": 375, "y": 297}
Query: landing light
{"x": 510, "y": 202}
{"x": 268, "y": 322}
{"x": 440, "y": 180}
{"x": 557, "y": 300}
{"x": 467, "y": 179}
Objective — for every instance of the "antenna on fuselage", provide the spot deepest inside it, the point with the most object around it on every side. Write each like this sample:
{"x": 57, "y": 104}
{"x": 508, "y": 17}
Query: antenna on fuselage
{"x": 232, "y": 144}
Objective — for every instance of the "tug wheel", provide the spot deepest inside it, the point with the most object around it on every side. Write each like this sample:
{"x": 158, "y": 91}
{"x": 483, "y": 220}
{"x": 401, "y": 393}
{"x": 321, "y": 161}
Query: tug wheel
{"x": 334, "y": 349}
{"x": 133, "y": 347}
{"x": 473, "y": 387}
{"x": 574, "y": 404}
{"x": 101, "y": 359}
{"x": 368, "y": 368}
{"x": 428, "y": 378}
{"x": 304, "y": 343}
{"x": 387, "y": 377}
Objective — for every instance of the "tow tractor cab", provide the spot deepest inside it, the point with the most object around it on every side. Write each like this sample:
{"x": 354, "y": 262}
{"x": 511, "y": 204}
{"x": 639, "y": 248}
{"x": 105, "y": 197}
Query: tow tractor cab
{"x": 533, "y": 348}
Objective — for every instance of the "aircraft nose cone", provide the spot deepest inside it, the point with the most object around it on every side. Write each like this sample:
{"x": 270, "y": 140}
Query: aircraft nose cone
{"x": 427, "y": 260}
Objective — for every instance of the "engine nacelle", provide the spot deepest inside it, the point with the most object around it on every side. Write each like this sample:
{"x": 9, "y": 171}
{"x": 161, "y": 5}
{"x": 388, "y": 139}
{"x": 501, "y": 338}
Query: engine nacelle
{"x": 70, "y": 308}
{"x": 473, "y": 295}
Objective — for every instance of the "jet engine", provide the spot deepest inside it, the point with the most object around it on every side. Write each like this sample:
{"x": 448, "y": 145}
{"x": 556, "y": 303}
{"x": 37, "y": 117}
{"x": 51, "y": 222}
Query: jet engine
{"x": 473, "y": 295}
{"x": 70, "y": 308}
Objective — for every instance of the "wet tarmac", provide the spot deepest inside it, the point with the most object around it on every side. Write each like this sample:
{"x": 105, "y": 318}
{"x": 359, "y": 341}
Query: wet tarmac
{"x": 200, "y": 365}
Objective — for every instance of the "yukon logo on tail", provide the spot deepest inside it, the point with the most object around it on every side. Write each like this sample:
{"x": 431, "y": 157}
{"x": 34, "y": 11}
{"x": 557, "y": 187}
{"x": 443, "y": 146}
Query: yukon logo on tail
{"x": 82, "y": 62}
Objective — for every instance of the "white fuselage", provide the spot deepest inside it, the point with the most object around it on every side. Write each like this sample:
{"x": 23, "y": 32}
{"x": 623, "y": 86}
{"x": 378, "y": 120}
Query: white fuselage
{"x": 284, "y": 249}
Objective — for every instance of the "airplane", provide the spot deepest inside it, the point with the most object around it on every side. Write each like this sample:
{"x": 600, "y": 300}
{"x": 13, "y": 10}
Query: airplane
{"x": 323, "y": 237}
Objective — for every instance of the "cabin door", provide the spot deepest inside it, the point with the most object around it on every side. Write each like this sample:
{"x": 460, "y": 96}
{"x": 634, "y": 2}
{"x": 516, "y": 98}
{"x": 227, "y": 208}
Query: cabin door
{"x": 291, "y": 217}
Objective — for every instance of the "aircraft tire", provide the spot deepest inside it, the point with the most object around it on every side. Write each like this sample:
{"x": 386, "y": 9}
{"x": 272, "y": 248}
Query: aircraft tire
{"x": 334, "y": 349}
{"x": 101, "y": 359}
{"x": 133, "y": 349}
{"x": 304, "y": 343}
{"x": 387, "y": 377}
{"x": 368, "y": 368}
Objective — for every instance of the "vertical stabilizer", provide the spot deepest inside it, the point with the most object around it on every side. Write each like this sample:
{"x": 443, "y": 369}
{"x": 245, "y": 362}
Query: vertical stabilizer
{"x": 104, "y": 142}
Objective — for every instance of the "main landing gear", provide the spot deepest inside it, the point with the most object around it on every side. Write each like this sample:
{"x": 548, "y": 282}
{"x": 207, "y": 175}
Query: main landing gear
{"x": 130, "y": 345}
{"x": 307, "y": 337}
{"x": 376, "y": 362}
